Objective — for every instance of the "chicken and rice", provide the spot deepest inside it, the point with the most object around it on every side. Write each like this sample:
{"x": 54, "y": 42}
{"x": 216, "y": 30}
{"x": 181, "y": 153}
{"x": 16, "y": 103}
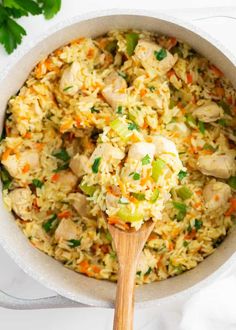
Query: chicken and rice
{"x": 133, "y": 124}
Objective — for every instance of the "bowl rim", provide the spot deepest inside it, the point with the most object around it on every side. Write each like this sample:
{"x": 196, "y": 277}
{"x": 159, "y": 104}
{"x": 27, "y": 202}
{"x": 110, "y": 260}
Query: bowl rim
{"x": 20, "y": 53}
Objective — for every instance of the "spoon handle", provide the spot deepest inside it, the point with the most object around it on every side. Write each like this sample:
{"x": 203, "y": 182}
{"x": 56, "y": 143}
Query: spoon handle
{"x": 124, "y": 305}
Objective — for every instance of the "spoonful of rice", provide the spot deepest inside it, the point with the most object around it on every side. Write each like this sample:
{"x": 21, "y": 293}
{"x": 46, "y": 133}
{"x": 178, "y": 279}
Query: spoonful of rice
{"x": 134, "y": 185}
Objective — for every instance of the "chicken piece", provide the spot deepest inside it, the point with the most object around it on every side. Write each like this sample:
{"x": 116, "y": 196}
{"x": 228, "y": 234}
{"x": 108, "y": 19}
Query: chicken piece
{"x": 219, "y": 166}
{"x": 21, "y": 200}
{"x": 178, "y": 127}
{"x": 14, "y": 164}
{"x": 145, "y": 51}
{"x": 164, "y": 145}
{"x": 107, "y": 152}
{"x": 70, "y": 82}
{"x": 114, "y": 90}
{"x": 80, "y": 203}
{"x": 67, "y": 180}
{"x": 79, "y": 165}
{"x": 167, "y": 151}
{"x": 208, "y": 112}
{"x": 66, "y": 230}
{"x": 140, "y": 149}
{"x": 216, "y": 194}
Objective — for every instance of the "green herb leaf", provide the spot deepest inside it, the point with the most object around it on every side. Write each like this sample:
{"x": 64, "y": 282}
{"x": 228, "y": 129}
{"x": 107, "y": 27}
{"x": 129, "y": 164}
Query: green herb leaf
{"x": 132, "y": 126}
{"x": 207, "y": 146}
{"x": 161, "y": 54}
{"x": 151, "y": 88}
{"x": 139, "y": 273}
{"x": 148, "y": 271}
{"x": 61, "y": 168}
{"x": 74, "y": 242}
{"x": 50, "y": 7}
{"x": 185, "y": 243}
{"x": 201, "y": 126}
{"x": 119, "y": 110}
{"x": 146, "y": 160}
{"x": 11, "y": 33}
{"x": 182, "y": 175}
{"x": 37, "y": 183}
{"x": 190, "y": 120}
{"x": 222, "y": 122}
{"x": 182, "y": 210}
{"x": 96, "y": 164}
{"x": 111, "y": 47}
{"x": 67, "y": 88}
{"x": 122, "y": 74}
{"x": 6, "y": 178}
{"x": 136, "y": 176}
{"x": 50, "y": 223}
{"x": 108, "y": 236}
{"x": 131, "y": 42}
{"x": 28, "y": 6}
{"x": 198, "y": 224}
{"x": 88, "y": 190}
{"x": 225, "y": 106}
{"x": 232, "y": 182}
{"x": 93, "y": 110}
{"x": 62, "y": 155}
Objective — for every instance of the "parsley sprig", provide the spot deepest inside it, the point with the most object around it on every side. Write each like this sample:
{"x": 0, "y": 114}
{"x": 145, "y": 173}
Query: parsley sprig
{"x": 11, "y": 33}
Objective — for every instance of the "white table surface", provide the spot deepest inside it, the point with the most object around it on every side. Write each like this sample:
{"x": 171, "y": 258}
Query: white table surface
{"x": 211, "y": 309}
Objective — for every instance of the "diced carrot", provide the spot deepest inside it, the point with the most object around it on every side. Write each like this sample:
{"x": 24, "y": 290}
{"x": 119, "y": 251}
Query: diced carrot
{"x": 172, "y": 42}
{"x": 96, "y": 269}
{"x": 197, "y": 205}
{"x": 107, "y": 119}
{"x": 232, "y": 207}
{"x": 207, "y": 152}
{"x": 27, "y": 135}
{"x": 84, "y": 265}
{"x": 78, "y": 121}
{"x": 171, "y": 246}
{"x": 55, "y": 177}
{"x": 64, "y": 214}
{"x": 143, "y": 92}
{"x": 132, "y": 199}
{"x": 26, "y": 168}
{"x": 170, "y": 73}
{"x": 90, "y": 53}
{"x": 114, "y": 220}
{"x": 190, "y": 235}
{"x": 189, "y": 78}
{"x": 216, "y": 71}
{"x": 199, "y": 192}
{"x": 58, "y": 52}
{"x": 134, "y": 138}
{"x": 159, "y": 262}
{"x": 145, "y": 125}
{"x": 6, "y": 153}
{"x": 220, "y": 91}
{"x": 152, "y": 237}
{"x": 216, "y": 197}
{"x": 39, "y": 146}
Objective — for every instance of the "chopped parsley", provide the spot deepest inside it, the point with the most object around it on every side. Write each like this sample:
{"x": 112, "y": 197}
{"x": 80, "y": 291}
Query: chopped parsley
{"x": 94, "y": 110}
{"x": 225, "y": 106}
{"x": 201, "y": 127}
{"x": 37, "y": 183}
{"x": 50, "y": 223}
{"x": 161, "y": 54}
{"x": 74, "y": 242}
{"x": 131, "y": 42}
{"x": 232, "y": 182}
{"x": 67, "y": 88}
{"x": 111, "y": 47}
{"x": 96, "y": 164}
{"x": 148, "y": 271}
{"x": 182, "y": 208}
{"x": 198, "y": 224}
{"x": 138, "y": 196}
{"x": 122, "y": 74}
{"x": 61, "y": 167}
{"x": 133, "y": 126}
{"x": 182, "y": 175}
{"x": 136, "y": 176}
{"x": 146, "y": 160}
{"x": 119, "y": 110}
{"x": 222, "y": 122}
{"x": 151, "y": 88}
{"x": 6, "y": 178}
{"x": 62, "y": 155}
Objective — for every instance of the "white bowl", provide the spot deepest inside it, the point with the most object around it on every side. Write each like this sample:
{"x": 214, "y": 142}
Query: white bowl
{"x": 48, "y": 271}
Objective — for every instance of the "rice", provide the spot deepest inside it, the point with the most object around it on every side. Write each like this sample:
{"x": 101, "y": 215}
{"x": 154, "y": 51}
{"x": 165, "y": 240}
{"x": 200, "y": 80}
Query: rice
{"x": 70, "y": 150}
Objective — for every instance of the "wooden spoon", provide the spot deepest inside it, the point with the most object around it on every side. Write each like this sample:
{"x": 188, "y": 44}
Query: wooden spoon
{"x": 128, "y": 245}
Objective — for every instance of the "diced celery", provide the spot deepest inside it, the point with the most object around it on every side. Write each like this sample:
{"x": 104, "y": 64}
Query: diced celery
{"x": 88, "y": 190}
{"x": 120, "y": 128}
{"x": 131, "y": 42}
{"x": 157, "y": 168}
{"x": 126, "y": 215}
{"x": 184, "y": 192}
{"x": 155, "y": 196}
